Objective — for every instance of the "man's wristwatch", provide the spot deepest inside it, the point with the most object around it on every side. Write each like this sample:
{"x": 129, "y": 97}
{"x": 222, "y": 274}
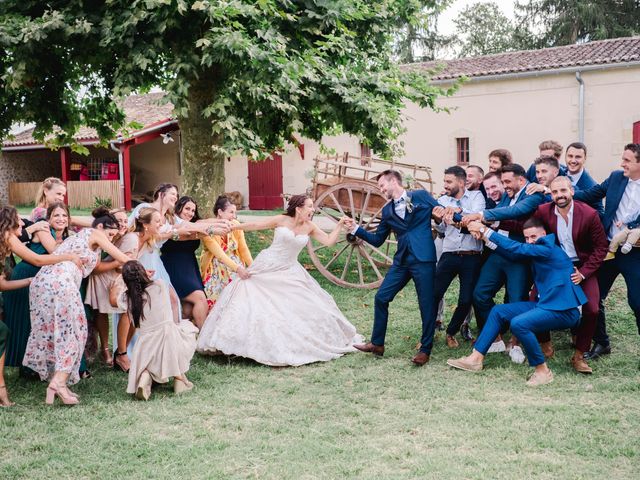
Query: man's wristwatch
{"x": 482, "y": 230}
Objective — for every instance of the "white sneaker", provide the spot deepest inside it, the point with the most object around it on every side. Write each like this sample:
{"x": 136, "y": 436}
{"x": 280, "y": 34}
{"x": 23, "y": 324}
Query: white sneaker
{"x": 626, "y": 248}
{"x": 497, "y": 347}
{"x": 516, "y": 354}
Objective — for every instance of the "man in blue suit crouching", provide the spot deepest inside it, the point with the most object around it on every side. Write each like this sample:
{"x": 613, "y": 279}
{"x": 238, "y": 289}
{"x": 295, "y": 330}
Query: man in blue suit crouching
{"x": 558, "y": 302}
{"x": 408, "y": 215}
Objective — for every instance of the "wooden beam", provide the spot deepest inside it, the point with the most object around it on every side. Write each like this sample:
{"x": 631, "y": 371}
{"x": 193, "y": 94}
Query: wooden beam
{"x": 126, "y": 175}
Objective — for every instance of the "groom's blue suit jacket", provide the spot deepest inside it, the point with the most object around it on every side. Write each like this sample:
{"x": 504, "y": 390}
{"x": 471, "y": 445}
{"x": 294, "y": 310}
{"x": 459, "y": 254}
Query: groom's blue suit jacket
{"x": 413, "y": 232}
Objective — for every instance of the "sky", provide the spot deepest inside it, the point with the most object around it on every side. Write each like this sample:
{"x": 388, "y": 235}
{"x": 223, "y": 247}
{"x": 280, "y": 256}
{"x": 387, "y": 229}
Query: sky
{"x": 445, "y": 21}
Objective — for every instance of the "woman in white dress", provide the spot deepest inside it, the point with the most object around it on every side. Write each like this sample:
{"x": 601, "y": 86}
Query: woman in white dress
{"x": 280, "y": 315}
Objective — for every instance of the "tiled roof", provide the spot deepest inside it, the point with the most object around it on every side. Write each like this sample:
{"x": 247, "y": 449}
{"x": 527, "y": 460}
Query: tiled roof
{"x": 148, "y": 110}
{"x": 617, "y": 50}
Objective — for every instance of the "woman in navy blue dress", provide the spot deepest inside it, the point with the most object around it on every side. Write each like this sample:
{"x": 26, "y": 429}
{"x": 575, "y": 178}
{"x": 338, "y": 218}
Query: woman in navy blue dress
{"x": 179, "y": 259}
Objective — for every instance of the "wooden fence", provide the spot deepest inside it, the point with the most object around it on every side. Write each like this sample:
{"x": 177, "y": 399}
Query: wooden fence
{"x": 81, "y": 194}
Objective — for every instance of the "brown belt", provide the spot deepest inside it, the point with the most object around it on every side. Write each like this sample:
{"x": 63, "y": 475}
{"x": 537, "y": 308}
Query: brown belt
{"x": 466, "y": 252}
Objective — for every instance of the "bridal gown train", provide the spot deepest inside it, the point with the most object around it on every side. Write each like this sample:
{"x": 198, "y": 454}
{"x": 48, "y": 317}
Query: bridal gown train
{"x": 279, "y": 316}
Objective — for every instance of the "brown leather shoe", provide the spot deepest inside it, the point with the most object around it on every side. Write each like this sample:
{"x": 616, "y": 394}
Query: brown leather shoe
{"x": 547, "y": 349}
{"x": 370, "y": 348}
{"x": 579, "y": 364}
{"x": 452, "y": 342}
{"x": 420, "y": 359}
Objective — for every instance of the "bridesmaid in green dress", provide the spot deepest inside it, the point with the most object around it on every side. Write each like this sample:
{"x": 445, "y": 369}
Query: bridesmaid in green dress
{"x": 16, "y": 302}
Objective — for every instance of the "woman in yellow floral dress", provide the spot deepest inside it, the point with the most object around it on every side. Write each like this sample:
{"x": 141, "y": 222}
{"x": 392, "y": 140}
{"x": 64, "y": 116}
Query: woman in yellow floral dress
{"x": 223, "y": 255}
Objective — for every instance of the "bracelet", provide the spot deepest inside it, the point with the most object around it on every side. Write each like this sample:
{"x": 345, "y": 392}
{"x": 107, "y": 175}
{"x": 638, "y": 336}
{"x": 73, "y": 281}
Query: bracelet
{"x": 210, "y": 230}
{"x": 175, "y": 236}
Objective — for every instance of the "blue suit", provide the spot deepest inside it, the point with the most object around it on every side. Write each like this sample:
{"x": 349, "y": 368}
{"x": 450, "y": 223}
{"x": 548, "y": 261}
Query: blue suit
{"x": 586, "y": 182}
{"x": 557, "y": 303}
{"x": 415, "y": 259}
{"x": 628, "y": 265}
{"x": 498, "y": 270}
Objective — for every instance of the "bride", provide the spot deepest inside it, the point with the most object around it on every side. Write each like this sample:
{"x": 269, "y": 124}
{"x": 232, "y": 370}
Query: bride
{"x": 279, "y": 315}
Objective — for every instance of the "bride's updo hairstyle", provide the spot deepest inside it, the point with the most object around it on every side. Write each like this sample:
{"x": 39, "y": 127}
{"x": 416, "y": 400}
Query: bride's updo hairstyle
{"x": 136, "y": 279}
{"x": 102, "y": 216}
{"x": 294, "y": 202}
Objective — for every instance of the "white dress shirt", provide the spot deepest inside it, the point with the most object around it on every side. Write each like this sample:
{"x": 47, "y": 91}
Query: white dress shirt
{"x": 628, "y": 209}
{"x": 565, "y": 233}
{"x": 454, "y": 240}
{"x": 575, "y": 177}
{"x": 400, "y": 204}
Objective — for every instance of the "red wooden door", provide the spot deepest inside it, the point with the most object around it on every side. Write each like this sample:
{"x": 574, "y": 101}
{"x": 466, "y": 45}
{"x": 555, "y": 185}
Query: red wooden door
{"x": 636, "y": 132}
{"x": 265, "y": 184}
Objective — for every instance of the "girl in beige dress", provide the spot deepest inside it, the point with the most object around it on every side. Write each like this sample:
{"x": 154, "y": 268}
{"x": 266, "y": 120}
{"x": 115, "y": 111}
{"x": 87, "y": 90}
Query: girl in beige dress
{"x": 164, "y": 349}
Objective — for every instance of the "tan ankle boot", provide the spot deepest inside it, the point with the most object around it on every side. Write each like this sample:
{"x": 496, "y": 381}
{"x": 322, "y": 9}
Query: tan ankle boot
{"x": 579, "y": 364}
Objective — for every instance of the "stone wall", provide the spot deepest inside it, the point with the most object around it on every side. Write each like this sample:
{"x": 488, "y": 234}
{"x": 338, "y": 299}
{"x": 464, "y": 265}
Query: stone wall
{"x": 27, "y": 166}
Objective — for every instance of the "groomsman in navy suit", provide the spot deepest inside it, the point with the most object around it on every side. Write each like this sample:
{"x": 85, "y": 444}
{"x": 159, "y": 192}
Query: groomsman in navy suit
{"x": 408, "y": 215}
{"x": 622, "y": 191}
{"x": 498, "y": 270}
{"x": 575, "y": 157}
{"x": 556, "y": 308}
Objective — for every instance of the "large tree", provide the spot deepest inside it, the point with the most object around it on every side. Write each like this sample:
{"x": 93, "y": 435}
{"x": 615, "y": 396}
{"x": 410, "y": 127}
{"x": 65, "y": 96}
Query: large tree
{"x": 243, "y": 75}
{"x": 483, "y": 29}
{"x": 546, "y": 23}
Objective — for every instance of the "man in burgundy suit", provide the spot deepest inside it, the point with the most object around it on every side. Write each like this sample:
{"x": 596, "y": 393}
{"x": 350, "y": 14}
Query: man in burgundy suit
{"x": 581, "y": 235}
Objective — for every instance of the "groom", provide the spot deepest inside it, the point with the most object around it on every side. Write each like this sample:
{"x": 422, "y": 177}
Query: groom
{"x": 408, "y": 215}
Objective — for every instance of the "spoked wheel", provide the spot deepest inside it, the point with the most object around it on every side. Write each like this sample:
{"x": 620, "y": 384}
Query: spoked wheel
{"x": 352, "y": 262}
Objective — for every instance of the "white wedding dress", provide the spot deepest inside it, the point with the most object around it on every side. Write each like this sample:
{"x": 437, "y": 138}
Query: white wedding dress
{"x": 279, "y": 316}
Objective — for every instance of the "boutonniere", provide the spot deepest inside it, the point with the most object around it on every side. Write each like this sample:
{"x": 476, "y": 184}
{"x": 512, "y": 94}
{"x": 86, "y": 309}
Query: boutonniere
{"x": 409, "y": 204}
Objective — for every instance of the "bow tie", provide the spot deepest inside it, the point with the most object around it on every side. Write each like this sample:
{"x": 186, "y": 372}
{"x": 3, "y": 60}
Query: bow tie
{"x": 399, "y": 201}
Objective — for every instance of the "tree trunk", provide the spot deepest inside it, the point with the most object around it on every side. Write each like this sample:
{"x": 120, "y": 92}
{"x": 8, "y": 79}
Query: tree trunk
{"x": 202, "y": 166}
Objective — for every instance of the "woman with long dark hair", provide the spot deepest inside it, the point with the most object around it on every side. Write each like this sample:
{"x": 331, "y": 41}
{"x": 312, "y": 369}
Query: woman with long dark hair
{"x": 164, "y": 349}
{"x": 10, "y": 231}
{"x": 16, "y": 302}
{"x": 58, "y": 321}
{"x": 179, "y": 259}
{"x": 280, "y": 315}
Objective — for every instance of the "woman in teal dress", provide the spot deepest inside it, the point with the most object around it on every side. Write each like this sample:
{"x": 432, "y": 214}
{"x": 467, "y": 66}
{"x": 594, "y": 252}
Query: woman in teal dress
{"x": 16, "y": 302}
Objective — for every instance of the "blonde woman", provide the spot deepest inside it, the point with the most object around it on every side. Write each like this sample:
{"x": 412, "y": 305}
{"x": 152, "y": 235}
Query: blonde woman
{"x": 52, "y": 190}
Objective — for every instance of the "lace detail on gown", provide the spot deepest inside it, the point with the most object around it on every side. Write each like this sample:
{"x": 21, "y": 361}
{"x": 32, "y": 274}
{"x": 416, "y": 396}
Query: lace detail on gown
{"x": 279, "y": 316}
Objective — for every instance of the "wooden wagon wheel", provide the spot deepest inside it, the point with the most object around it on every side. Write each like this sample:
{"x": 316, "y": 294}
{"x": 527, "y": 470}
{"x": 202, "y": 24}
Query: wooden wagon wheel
{"x": 352, "y": 262}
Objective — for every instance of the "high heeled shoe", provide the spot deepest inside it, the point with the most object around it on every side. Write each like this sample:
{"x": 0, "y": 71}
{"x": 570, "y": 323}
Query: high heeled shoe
{"x": 180, "y": 386}
{"x": 116, "y": 365}
{"x": 4, "y": 397}
{"x": 62, "y": 393}
{"x": 143, "y": 392}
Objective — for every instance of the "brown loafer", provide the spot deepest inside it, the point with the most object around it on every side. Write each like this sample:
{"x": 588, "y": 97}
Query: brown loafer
{"x": 370, "y": 348}
{"x": 452, "y": 342}
{"x": 464, "y": 364}
{"x": 420, "y": 359}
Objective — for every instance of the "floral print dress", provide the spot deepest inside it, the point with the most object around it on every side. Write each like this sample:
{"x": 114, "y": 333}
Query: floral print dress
{"x": 58, "y": 321}
{"x": 218, "y": 275}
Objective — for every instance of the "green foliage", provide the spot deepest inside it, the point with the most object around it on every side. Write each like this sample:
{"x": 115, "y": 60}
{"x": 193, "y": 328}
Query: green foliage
{"x": 546, "y": 23}
{"x": 483, "y": 29}
{"x": 270, "y": 68}
{"x": 102, "y": 202}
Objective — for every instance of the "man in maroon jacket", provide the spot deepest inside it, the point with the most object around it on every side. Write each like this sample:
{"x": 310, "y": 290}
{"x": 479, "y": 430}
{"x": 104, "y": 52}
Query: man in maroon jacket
{"x": 581, "y": 235}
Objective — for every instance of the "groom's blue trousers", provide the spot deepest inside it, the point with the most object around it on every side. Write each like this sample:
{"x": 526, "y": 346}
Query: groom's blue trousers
{"x": 525, "y": 319}
{"x": 423, "y": 275}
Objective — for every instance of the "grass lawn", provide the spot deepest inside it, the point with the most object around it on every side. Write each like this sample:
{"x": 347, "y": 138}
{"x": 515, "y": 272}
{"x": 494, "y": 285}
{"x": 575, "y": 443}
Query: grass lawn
{"x": 356, "y": 417}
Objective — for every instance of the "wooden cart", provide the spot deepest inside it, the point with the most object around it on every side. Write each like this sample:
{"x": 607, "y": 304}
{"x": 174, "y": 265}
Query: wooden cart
{"x": 346, "y": 185}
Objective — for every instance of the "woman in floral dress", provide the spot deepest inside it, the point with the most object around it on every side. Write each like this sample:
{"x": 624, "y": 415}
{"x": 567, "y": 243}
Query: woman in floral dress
{"x": 223, "y": 255}
{"x": 58, "y": 321}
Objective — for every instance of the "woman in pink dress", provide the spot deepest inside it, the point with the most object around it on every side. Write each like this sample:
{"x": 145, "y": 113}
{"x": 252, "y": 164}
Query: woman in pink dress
{"x": 58, "y": 321}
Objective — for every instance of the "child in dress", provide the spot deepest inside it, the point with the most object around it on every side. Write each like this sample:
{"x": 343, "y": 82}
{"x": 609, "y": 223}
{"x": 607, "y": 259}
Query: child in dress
{"x": 164, "y": 349}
